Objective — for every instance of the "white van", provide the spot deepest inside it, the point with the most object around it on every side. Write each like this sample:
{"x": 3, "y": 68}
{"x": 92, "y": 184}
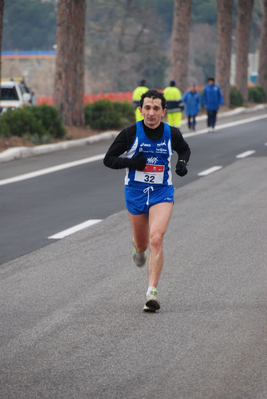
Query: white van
{"x": 14, "y": 94}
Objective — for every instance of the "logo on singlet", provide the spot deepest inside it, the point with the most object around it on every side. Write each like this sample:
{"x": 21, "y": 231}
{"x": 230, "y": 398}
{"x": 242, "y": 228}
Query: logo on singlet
{"x": 152, "y": 160}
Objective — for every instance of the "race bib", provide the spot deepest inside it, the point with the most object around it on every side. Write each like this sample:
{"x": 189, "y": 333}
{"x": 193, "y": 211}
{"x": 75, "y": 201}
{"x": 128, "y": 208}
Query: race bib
{"x": 152, "y": 174}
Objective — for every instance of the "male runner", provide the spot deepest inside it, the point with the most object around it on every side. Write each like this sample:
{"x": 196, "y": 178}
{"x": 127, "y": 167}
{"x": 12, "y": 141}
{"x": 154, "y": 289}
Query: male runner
{"x": 149, "y": 192}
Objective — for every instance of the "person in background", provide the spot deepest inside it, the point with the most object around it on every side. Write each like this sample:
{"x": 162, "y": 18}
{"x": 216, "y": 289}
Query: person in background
{"x": 173, "y": 98}
{"x": 212, "y": 98}
{"x": 137, "y": 94}
{"x": 192, "y": 101}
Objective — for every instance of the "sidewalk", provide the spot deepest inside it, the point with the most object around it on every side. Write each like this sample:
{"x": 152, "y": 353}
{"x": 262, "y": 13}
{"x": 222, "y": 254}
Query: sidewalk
{"x": 26, "y": 152}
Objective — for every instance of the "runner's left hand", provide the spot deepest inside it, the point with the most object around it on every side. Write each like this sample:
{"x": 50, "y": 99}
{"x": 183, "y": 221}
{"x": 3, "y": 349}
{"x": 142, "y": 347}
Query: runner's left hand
{"x": 181, "y": 169}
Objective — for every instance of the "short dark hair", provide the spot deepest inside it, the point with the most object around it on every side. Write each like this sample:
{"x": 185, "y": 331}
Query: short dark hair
{"x": 153, "y": 94}
{"x": 211, "y": 79}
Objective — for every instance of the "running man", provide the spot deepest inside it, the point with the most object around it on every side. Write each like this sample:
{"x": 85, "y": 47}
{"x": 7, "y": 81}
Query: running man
{"x": 149, "y": 192}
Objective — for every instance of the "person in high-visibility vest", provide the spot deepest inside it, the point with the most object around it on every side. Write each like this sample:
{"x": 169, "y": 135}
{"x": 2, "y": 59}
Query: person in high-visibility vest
{"x": 173, "y": 98}
{"x": 137, "y": 93}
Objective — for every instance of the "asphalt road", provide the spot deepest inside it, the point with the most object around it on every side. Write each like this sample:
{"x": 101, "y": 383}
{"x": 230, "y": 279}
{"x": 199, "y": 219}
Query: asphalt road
{"x": 35, "y": 209}
{"x": 72, "y": 324}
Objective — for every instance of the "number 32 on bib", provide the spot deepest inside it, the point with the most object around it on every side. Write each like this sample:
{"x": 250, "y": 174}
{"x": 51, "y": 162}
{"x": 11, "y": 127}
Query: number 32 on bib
{"x": 152, "y": 174}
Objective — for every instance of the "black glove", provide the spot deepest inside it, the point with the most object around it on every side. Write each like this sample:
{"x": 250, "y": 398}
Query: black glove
{"x": 138, "y": 162}
{"x": 181, "y": 168}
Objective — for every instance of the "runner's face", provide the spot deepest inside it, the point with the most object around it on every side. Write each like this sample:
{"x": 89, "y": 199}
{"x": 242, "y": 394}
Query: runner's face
{"x": 152, "y": 112}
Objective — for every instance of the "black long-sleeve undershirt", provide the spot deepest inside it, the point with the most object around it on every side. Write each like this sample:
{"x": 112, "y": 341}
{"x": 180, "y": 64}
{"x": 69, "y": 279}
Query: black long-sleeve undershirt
{"x": 126, "y": 137}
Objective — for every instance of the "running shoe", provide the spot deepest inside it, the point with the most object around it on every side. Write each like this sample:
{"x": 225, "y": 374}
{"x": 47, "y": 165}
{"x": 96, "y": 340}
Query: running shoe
{"x": 139, "y": 258}
{"x": 152, "y": 303}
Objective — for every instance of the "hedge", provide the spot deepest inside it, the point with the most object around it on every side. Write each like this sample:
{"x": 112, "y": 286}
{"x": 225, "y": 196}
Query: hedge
{"x": 105, "y": 114}
{"x": 236, "y": 99}
{"x": 256, "y": 94}
{"x": 39, "y": 123}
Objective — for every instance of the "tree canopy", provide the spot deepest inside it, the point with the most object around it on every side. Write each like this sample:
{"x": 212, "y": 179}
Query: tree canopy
{"x": 29, "y": 25}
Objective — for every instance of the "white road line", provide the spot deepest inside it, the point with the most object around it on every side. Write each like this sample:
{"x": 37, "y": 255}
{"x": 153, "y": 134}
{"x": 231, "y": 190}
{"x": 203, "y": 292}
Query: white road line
{"x": 52, "y": 169}
{"x": 74, "y": 229}
{"x": 245, "y": 154}
{"x": 209, "y": 171}
{"x": 225, "y": 125}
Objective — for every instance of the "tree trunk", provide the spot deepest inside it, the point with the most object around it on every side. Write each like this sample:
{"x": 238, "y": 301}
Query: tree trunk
{"x": 2, "y": 3}
{"x": 69, "y": 78}
{"x": 262, "y": 71}
{"x": 180, "y": 42}
{"x": 244, "y": 15}
{"x": 224, "y": 44}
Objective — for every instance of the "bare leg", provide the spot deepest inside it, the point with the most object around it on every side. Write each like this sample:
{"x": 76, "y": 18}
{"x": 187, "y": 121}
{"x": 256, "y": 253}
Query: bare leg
{"x": 140, "y": 230}
{"x": 159, "y": 216}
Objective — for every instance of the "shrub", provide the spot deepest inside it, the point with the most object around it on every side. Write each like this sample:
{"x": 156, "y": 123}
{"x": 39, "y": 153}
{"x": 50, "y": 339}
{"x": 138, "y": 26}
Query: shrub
{"x": 236, "y": 99}
{"x": 19, "y": 122}
{"x": 37, "y": 123}
{"x": 256, "y": 94}
{"x": 126, "y": 111}
{"x": 50, "y": 119}
{"x": 105, "y": 114}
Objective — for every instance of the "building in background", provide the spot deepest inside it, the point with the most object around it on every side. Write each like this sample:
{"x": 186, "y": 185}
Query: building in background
{"x": 253, "y": 62}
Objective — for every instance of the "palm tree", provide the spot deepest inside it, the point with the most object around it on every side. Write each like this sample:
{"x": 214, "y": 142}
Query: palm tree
{"x": 224, "y": 42}
{"x": 262, "y": 71}
{"x": 180, "y": 42}
{"x": 69, "y": 77}
{"x": 244, "y": 15}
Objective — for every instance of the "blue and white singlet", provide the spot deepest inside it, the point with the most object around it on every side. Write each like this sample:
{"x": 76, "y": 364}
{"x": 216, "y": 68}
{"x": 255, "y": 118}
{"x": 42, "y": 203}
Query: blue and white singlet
{"x": 158, "y": 159}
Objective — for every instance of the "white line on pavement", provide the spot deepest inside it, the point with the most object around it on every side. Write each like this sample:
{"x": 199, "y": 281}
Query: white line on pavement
{"x": 209, "y": 171}
{"x": 74, "y": 229}
{"x": 225, "y": 125}
{"x": 51, "y": 169}
{"x": 245, "y": 154}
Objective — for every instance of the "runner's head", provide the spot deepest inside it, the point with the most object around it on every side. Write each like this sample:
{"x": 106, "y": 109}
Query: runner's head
{"x": 153, "y": 94}
{"x": 152, "y": 108}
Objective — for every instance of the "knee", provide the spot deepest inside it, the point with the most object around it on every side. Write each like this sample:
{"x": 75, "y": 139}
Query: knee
{"x": 156, "y": 240}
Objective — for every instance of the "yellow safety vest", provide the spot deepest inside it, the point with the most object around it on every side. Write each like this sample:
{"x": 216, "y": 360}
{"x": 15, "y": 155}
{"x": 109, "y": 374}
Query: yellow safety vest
{"x": 137, "y": 94}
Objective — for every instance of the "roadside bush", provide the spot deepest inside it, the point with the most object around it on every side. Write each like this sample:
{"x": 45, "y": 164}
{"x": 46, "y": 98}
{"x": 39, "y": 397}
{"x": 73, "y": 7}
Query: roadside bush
{"x": 236, "y": 99}
{"x": 256, "y": 94}
{"x": 39, "y": 124}
{"x": 126, "y": 111}
{"x": 50, "y": 120}
{"x": 20, "y": 122}
{"x": 105, "y": 114}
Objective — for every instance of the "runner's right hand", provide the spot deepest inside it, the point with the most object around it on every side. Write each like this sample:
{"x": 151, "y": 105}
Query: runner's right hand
{"x": 138, "y": 162}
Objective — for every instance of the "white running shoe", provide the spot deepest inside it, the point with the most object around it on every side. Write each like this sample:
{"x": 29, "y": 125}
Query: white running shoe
{"x": 139, "y": 258}
{"x": 152, "y": 303}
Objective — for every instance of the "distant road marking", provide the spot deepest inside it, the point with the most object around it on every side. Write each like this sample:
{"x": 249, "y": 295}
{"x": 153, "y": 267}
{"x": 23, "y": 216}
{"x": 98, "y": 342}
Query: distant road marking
{"x": 245, "y": 154}
{"x": 225, "y": 125}
{"x": 52, "y": 169}
{"x": 74, "y": 229}
{"x": 209, "y": 171}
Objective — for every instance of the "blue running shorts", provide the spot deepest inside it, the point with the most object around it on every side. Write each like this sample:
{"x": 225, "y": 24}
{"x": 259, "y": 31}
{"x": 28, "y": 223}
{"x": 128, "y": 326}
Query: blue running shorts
{"x": 139, "y": 199}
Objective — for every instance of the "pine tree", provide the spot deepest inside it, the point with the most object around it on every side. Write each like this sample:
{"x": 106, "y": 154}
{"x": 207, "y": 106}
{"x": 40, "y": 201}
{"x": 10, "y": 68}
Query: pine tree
{"x": 244, "y": 15}
{"x": 2, "y": 3}
{"x": 69, "y": 77}
{"x": 262, "y": 69}
{"x": 224, "y": 44}
{"x": 180, "y": 42}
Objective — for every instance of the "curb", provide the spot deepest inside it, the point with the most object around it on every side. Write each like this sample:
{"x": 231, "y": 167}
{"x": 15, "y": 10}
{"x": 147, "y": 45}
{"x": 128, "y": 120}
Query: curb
{"x": 26, "y": 152}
